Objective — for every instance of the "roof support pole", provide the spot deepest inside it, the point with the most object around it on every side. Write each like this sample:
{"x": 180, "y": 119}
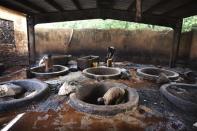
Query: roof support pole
{"x": 31, "y": 39}
{"x": 175, "y": 44}
{"x": 138, "y": 10}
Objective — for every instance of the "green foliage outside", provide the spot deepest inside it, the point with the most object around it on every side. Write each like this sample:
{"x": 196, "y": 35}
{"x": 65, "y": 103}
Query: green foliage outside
{"x": 116, "y": 24}
{"x": 188, "y": 23}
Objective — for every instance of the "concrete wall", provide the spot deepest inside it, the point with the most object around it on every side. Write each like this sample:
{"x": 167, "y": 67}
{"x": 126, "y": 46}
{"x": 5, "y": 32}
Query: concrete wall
{"x": 193, "y": 49}
{"x": 18, "y": 54}
{"x": 143, "y": 46}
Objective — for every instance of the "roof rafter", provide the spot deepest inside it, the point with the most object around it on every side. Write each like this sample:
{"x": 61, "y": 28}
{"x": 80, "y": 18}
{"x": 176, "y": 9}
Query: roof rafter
{"x": 155, "y": 6}
{"x": 104, "y": 4}
{"x": 185, "y": 6}
{"x": 31, "y": 5}
{"x": 103, "y": 14}
{"x": 55, "y": 5}
{"x": 77, "y": 4}
{"x": 132, "y": 5}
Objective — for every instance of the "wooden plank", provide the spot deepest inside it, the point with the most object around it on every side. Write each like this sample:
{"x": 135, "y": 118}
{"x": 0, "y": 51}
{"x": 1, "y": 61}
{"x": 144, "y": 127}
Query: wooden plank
{"x": 55, "y": 5}
{"x": 31, "y": 39}
{"x": 103, "y": 14}
{"x": 13, "y": 122}
{"x": 175, "y": 44}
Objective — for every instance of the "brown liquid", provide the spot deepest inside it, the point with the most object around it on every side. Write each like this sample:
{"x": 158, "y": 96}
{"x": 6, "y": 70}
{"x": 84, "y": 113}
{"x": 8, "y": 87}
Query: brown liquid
{"x": 69, "y": 119}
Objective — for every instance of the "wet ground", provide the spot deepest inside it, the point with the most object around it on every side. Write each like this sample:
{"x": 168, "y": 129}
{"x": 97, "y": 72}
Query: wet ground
{"x": 154, "y": 112}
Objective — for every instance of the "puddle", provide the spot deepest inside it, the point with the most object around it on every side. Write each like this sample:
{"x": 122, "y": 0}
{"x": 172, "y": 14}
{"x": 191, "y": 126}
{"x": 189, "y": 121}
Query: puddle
{"x": 69, "y": 119}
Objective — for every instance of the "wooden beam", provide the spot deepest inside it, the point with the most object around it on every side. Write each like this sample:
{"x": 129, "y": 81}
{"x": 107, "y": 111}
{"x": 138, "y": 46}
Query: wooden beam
{"x": 66, "y": 16}
{"x": 31, "y": 5}
{"x": 178, "y": 36}
{"x": 186, "y": 13}
{"x": 136, "y": 6}
{"x": 77, "y": 4}
{"x": 155, "y": 6}
{"x": 31, "y": 39}
{"x": 186, "y": 9}
{"x": 175, "y": 44}
{"x": 105, "y": 4}
{"x": 55, "y": 5}
{"x": 182, "y": 6}
{"x": 103, "y": 14}
{"x": 138, "y": 10}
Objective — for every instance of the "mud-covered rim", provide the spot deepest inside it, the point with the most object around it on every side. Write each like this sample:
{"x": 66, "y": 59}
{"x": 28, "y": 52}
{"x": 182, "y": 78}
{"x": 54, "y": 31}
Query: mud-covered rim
{"x": 106, "y": 110}
{"x": 65, "y": 69}
{"x": 41, "y": 91}
{"x": 181, "y": 103}
{"x": 141, "y": 73}
{"x": 86, "y": 73}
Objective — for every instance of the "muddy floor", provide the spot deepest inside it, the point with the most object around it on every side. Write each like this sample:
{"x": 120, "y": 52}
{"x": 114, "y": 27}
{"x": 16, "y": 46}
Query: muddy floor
{"x": 154, "y": 112}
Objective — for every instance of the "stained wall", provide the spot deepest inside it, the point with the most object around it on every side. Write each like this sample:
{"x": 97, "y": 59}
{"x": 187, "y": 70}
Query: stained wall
{"x": 141, "y": 46}
{"x": 15, "y": 54}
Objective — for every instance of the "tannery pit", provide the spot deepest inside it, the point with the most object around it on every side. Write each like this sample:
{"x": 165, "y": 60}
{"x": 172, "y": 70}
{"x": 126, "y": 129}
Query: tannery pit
{"x": 118, "y": 65}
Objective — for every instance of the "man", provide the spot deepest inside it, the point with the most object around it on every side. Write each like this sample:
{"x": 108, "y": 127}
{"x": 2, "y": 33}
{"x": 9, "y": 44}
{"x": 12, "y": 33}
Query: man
{"x": 47, "y": 61}
{"x": 110, "y": 53}
{"x": 113, "y": 96}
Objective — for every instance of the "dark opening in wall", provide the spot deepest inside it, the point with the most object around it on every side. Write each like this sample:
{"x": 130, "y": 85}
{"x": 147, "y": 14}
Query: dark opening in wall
{"x": 6, "y": 32}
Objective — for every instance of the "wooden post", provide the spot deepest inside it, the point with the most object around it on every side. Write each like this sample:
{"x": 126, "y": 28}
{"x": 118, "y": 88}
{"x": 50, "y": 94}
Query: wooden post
{"x": 138, "y": 10}
{"x": 31, "y": 39}
{"x": 175, "y": 44}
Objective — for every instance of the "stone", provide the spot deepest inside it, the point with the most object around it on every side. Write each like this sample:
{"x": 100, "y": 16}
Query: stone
{"x": 125, "y": 74}
{"x": 67, "y": 88}
{"x": 190, "y": 76}
{"x": 163, "y": 78}
{"x": 10, "y": 89}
